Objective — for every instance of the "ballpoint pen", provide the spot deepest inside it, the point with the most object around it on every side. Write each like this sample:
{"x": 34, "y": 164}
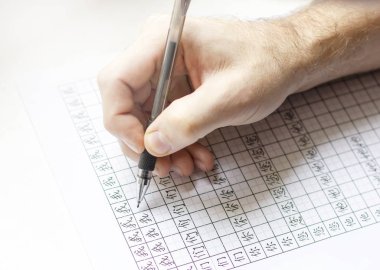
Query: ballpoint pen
{"x": 147, "y": 161}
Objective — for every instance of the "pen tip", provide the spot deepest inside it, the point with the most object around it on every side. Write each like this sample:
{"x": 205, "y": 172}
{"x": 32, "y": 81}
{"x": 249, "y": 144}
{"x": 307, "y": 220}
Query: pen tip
{"x": 138, "y": 204}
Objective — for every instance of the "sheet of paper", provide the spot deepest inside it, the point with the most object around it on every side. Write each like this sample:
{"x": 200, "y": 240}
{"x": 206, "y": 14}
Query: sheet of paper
{"x": 304, "y": 183}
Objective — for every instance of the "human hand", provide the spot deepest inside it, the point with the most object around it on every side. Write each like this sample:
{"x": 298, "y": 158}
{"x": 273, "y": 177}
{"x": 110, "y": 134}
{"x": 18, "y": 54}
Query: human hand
{"x": 241, "y": 72}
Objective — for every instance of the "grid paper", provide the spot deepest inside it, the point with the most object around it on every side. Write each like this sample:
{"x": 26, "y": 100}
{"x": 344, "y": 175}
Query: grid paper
{"x": 308, "y": 172}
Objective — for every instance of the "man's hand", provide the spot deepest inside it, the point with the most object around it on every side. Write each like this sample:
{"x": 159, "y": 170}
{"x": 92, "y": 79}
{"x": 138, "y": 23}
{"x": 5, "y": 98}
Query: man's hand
{"x": 238, "y": 70}
{"x": 227, "y": 73}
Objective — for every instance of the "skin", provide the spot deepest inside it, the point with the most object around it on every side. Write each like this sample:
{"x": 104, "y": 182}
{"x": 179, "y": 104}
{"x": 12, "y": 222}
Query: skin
{"x": 231, "y": 72}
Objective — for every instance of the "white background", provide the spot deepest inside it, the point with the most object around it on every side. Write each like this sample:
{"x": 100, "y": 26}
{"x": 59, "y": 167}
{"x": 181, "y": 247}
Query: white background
{"x": 36, "y": 231}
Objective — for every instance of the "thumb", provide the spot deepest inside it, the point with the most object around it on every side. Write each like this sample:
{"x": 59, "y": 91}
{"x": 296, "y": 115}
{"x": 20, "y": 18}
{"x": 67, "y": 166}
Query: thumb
{"x": 185, "y": 121}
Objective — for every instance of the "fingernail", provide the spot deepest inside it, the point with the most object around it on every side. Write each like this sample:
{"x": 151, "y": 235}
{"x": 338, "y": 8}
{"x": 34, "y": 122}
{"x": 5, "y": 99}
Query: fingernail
{"x": 177, "y": 170}
{"x": 158, "y": 142}
{"x": 200, "y": 165}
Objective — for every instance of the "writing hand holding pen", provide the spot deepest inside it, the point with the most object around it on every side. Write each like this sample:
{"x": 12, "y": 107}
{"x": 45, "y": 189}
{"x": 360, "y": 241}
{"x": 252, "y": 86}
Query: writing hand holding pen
{"x": 229, "y": 72}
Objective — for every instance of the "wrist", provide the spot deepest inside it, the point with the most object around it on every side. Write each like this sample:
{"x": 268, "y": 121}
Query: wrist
{"x": 335, "y": 39}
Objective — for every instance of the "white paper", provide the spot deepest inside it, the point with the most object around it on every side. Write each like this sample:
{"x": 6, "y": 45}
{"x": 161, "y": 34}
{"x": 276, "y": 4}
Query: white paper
{"x": 285, "y": 186}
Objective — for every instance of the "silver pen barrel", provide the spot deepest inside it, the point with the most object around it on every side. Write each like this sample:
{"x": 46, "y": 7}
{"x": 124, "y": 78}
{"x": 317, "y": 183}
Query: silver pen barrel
{"x": 172, "y": 42}
{"x": 147, "y": 161}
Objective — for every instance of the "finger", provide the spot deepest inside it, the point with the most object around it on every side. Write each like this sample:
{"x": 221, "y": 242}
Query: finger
{"x": 190, "y": 118}
{"x": 182, "y": 163}
{"x": 162, "y": 167}
{"x": 124, "y": 83}
{"x": 202, "y": 157}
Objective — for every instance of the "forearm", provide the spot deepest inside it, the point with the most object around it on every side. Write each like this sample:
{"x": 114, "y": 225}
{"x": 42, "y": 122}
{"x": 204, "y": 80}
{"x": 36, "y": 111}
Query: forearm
{"x": 336, "y": 38}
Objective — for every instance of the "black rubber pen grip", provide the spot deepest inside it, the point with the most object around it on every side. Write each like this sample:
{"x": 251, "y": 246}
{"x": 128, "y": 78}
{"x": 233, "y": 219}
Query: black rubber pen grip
{"x": 147, "y": 161}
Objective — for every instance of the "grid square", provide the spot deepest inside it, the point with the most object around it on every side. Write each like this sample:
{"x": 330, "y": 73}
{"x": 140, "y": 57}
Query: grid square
{"x": 257, "y": 185}
{"x": 203, "y": 185}
{"x": 362, "y": 125}
{"x": 333, "y": 133}
{"x": 249, "y": 203}
{"x": 174, "y": 242}
{"x": 356, "y": 171}
{"x": 181, "y": 256}
{"x": 220, "y": 149}
{"x": 200, "y": 218}
{"x": 234, "y": 176}
{"x": 361, "y": 96}
{"x": 227, "y": 163}
{"x": 288, "y": 176}
{"x": 371, "y": 198}
{"x": 209, "y": 199}
{"x": 216, "y": 213}
{"x": 242, "y": 190}
{"x": 318, "y": 108}
{"x": 326, "y": 212}
{"x": 368, "y": 108}
{"x": 311, "y": 185}
{"x": 271, "y": 212}
{"x": 311, "y": 124}
{"x": 326, "y": 120}
{"x": 266, "y": 137}
{"x": 374, "y": 120}
{"x": 154, "y": 199}
{"x": 311, "y": 217}
{"x": 273, "y": 150}
{"x": 348, "y": 100}
{"x": 187, "y": 190}
{"x": 340, "y": 116}
{"x": 243, "y": 158}
{"x": 236, "y": 145}
{"x": 193, "y": 204}
{"x": 214, "y": 247}
{"x": 223, "y": 227}
{"x": 303, "y": 172}
{"x": 304, "y": 112}
{"x": 264, "y": 198}
{"x": 281, "y": 163}
{"x": 349, "y": 189}
{"x": 341, "y": 145}
{"x": 326, "y": 150}
{"x": 263, "y": 231}
{"x": 296, "y": 159}
{"x": 303, "y": 203}
{"x": 363, "y": 185}
{"x": 295, "y": 189}
{"x": 354, "y": 112}
{"x": 231, "y": 241}
{"x": 318, "y": 198}
{"x": 256, "y": 217}
{"x": 333, "y": 104}
{"x": 289, "y": 146}
{"x": 250, "y": 171}
{"x": 356, "y": 203}
{"x": 334, "y": 163}
{"x": 347, "y": 129}
{"x": 341, "y": 176}
{"x": 167, "y": 227}
{"x": 370, "y": 137}
{"x": 207, "y": 232}
{"x": 279, "y": 226}
{"x": 318, "y": 137}
{"x": 282, "y": 133}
